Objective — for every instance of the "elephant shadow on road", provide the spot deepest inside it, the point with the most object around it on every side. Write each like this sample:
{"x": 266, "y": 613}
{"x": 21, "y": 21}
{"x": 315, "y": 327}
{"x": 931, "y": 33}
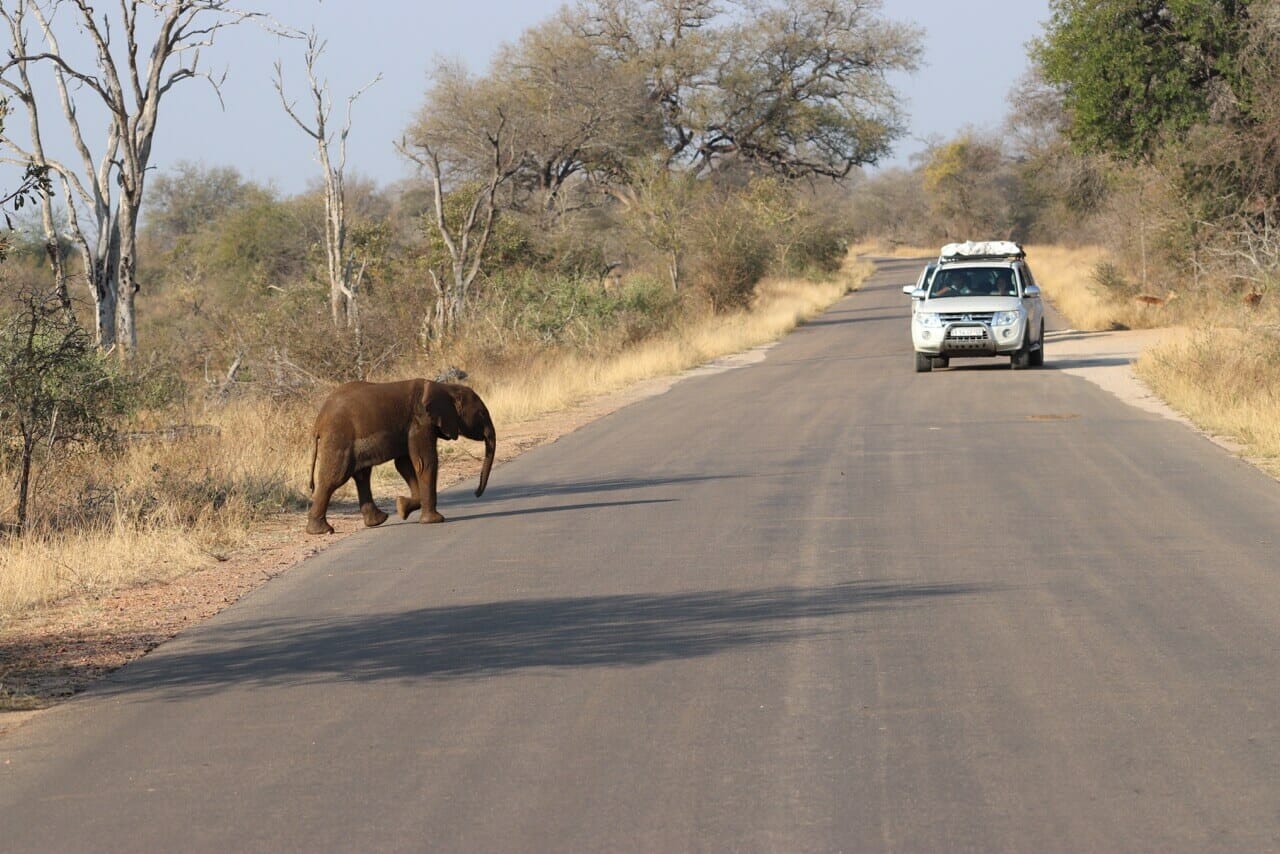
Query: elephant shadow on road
{"x": 495, "y": 638}
{"x": 462, "y": 507}
{"x": 582, "y": 487}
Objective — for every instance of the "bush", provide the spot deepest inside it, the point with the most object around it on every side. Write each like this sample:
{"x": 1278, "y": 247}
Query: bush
{"x": 577, "y": 312}
{"x": 1110, "y": 283}
{"x": 57, "y": 390}
{"x": 728, "y": 264}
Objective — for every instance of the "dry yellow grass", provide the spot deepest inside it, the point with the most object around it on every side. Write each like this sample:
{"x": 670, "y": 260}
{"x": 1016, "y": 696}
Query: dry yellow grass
{"x": 166, "y": 508}
{"x": 1066, "y": 277}
{"x": 1226, "y": 380}
{"x": 155, "y": 510}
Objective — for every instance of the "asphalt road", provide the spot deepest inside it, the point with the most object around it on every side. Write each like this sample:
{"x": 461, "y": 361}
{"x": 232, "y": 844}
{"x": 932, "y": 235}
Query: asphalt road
{"x": 820, "y": 603}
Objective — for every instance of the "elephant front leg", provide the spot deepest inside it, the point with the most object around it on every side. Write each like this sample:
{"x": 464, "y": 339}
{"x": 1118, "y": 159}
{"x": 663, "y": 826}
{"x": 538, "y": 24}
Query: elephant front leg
{"x": 427, "y": 466}
{"x": 406, "y": 505}
{"x": 373, "y": 517}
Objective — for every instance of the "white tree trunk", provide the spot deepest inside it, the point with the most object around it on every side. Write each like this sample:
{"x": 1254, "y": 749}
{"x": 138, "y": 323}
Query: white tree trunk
{"x": 131, "y": 96}
{"x": 343, "y": 286}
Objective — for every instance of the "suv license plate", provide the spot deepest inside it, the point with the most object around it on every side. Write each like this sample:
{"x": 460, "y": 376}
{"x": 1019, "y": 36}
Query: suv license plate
{"x": 967, "y": 332}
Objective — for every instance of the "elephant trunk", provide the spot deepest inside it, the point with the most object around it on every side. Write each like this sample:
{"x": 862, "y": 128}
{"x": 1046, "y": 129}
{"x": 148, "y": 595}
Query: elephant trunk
{"x": 490, "y": 447}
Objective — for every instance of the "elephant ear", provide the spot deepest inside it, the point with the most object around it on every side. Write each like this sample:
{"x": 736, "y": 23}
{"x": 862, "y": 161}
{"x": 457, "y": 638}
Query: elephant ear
{"x": 437, "y": 406}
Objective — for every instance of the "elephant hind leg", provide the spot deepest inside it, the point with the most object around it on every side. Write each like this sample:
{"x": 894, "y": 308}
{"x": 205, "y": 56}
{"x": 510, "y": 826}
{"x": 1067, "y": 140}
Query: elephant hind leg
{"x": 407, "y": 505}
{"x": 373, "y": 517}
{"x": 327, "y": 478}
{"x": 316, "y": 521}
{"x": 318, "y": 524}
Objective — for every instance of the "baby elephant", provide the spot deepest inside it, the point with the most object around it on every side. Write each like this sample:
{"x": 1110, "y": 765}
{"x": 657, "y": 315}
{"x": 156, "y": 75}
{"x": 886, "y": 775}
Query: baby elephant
{"x": 363, "y": 424}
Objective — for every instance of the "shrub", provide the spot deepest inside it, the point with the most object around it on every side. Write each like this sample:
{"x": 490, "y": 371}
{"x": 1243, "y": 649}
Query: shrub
{"x": 576, "y": 312}
{"x": 1110, "y": 283}
{"x": 56, "y": 390}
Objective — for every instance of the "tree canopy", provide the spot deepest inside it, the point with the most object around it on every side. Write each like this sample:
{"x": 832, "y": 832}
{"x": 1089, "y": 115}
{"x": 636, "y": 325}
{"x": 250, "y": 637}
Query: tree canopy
{"x": 1136, "y": 72}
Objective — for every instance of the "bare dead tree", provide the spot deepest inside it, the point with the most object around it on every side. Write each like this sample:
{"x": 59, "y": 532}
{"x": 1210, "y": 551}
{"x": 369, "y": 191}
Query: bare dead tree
{"x": 22, "y": 90}
{"x": 345, "y": 271}
{"x": 131, "y": 94}
{"x": 467, "y": 147}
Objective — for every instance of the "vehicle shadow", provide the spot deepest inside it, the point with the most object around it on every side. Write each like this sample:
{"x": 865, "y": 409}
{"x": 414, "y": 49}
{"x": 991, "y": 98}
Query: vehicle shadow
{"x": 962, "y": 365}
{"x": 1087, "y": 362}
{"x": 493, "y": 638}
{"x": 834, "y": 319}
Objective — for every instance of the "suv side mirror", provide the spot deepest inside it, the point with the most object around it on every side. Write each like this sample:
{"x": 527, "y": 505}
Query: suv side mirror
{"x": 917, "y": 293}
{"x": 908, "y": 289}
{"x": 1031, "y": 291}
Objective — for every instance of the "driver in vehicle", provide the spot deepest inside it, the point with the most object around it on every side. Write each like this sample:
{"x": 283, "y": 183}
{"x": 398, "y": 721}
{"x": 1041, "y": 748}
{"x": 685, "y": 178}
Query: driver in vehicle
{"x": 1004, "y": 284}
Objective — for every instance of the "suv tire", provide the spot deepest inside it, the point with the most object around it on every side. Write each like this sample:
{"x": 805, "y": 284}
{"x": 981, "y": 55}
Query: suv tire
{"x": 1021, "y": 358}
{"x": 924, "y": 363}
{"x": 1037, "y": 355}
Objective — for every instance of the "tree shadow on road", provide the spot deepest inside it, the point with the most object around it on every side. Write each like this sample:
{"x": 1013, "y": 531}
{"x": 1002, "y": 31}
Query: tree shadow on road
{"x": 483, "y": 640}
{"x": 834, "y": 319}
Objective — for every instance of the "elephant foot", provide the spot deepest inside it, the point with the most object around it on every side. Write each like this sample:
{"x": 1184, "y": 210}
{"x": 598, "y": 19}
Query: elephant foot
{"x": 373, "y": 517}
{"x": 430, "y": 517}
{"x": 405, "y": 506}
{"x": 318, "y": 526}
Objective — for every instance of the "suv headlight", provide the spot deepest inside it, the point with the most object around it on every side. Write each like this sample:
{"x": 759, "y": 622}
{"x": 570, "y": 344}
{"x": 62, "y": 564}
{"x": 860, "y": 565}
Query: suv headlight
{"x": 929, "y": 319}
{"x": 1006, "y": 318}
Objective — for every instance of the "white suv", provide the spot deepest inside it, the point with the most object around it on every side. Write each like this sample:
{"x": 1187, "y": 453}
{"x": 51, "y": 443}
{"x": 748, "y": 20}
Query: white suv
{"x": 980, "y": 301}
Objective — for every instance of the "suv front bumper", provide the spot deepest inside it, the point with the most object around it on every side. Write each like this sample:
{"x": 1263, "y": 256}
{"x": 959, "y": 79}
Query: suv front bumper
{"x": 968, "y": 339}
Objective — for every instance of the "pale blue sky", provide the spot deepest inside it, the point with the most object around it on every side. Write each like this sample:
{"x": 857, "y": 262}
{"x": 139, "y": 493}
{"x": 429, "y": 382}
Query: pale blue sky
{"x": 971, "y": 60}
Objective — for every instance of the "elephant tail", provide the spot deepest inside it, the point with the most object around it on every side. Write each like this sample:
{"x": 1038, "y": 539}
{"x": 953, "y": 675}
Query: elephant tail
{"x": 315, "y": 448}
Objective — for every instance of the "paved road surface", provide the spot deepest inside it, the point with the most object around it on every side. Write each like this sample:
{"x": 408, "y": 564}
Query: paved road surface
{"x": 819, "y": 603}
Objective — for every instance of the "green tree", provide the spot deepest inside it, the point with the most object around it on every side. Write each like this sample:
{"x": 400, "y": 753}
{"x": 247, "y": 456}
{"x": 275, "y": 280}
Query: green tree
{"x": 1137, "y": 72}
{"x": 579, "y": 118}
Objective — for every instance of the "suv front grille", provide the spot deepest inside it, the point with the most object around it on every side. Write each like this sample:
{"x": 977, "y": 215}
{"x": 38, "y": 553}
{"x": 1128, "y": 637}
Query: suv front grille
{"x": 966, "y": 334}
{"x": 973, "y": 316}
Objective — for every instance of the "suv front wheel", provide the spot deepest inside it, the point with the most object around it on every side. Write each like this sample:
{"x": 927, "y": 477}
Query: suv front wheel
{"x": 1021, "y": 358}
{"x": 924, "y": 363}
{"x": 1037, "y": 355}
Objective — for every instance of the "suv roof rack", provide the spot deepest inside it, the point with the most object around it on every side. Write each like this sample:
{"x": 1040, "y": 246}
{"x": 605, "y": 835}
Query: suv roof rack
{"x": 984, "y": 250}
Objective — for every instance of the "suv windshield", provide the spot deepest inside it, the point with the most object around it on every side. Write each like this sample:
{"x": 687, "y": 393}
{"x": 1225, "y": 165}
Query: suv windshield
{"x": 973, "y": 282}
